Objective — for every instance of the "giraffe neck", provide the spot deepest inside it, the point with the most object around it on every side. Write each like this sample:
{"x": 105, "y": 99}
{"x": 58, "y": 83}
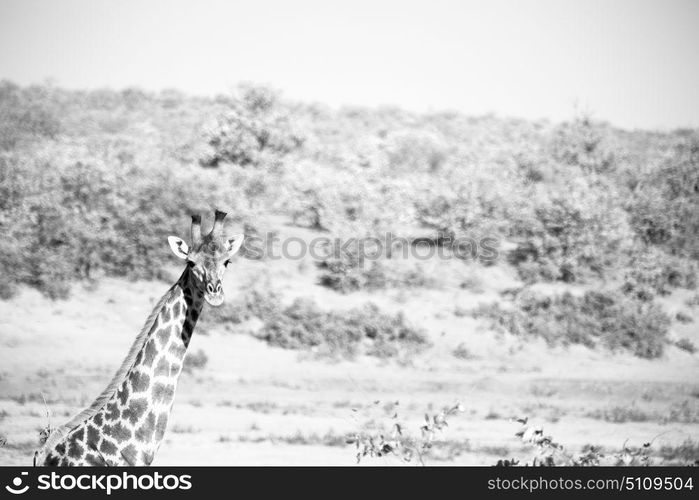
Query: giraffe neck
{"x": 129, "y": 427}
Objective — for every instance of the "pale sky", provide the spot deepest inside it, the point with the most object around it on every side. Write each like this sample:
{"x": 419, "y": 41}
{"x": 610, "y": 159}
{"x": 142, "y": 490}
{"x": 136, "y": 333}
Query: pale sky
{"x": 634, "y": 63}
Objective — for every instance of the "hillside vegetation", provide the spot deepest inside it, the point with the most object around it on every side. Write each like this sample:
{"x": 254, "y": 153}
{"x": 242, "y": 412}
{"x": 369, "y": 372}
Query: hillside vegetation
{"x": 92, "y": 183}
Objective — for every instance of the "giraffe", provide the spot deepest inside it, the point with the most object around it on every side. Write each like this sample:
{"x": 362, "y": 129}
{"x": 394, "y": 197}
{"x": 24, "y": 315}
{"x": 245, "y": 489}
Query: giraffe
{"x": 126, "y": 423}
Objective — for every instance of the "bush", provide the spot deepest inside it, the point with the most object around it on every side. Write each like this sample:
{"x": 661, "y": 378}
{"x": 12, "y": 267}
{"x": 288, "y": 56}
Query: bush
{"x": 609, "y": 319}
{"x": 349, "y": 272}
{"x": 415, "y": 150}
{"x": 303, "y": 325}
{"x": 256, "y": 303}
{"x": 255, "y": 125}
{"x": 91, "y": 182}
{"x": 621, "y": 414}
{"x": 26, "y": 115}
{"x": 571, "y": 233}
{"x": 686, "y": 345}
{"x": 344, "y": 274}
{"x": 582, "y": 143}
{"x": 69, "y": 220}
{"x": 195, "y": 361}
{"x": 462, "y": 352}
{"x": 346, "y": 203}
{"x": 665, "y": 207}
{"x": 386, "y": 438}
{"x": 685, "y": 454}
{"x": 652, "y": 272}
{"x": 693, "y": 301}
{"x": 468, "y": 208}
{"x": 683, "y": 317}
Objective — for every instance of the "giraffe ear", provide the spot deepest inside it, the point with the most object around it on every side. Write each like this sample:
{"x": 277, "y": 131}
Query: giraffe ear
{"x": 234, "y": 244}
{"x": 178, "y": 246}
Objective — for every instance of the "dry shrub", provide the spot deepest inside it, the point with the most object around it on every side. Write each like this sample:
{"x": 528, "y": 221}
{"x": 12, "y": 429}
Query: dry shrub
{"x": 255, "y": 125}
{"x": 608, "y": 319}
{"x": 416, "y": 150}
{"x": 71, "y": 219}
{"x": 366, "y": 330}
{"x": 571, "y": 232}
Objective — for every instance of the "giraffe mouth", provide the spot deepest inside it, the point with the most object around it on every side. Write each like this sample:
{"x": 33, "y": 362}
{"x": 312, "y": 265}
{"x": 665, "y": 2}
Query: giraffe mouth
{"x": 214, "y": 299}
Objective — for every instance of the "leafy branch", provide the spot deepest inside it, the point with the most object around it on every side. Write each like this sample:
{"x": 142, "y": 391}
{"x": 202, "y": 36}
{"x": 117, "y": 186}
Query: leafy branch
{"x": 400, "y": 443}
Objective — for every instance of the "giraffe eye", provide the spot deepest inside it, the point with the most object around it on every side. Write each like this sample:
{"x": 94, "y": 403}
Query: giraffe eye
{"x": 225, "y": 264}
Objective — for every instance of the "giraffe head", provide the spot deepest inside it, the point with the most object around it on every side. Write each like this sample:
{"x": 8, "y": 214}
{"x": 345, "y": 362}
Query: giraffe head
{"x": 208, "y": 256}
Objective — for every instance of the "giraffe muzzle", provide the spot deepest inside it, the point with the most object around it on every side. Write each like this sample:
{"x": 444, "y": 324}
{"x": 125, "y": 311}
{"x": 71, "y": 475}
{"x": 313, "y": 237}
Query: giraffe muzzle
{"x": 214, "y": 293}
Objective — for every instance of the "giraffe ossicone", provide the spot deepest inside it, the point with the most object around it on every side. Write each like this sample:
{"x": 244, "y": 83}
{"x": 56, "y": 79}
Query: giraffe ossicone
{"x": 126, "y": 424}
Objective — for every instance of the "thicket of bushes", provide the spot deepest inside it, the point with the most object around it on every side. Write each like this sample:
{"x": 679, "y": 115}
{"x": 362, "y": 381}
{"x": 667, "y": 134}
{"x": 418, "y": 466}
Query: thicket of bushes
{"x": 571, "y": 231}
{"x": 253, "y": 126}
{"x": 65, "y": 219}
{"x": 608, "y": 319}
{"x": 342, "y": 333}
{"x": 304, "y": 325}
{"x": 255, "y": 303}
{"x": 349, "y": 272}
{"x": 652, "y": 272}
{"x": 665, "y": 208}
{"x": 24, "y": 117}
{"x": 92, "y": 181}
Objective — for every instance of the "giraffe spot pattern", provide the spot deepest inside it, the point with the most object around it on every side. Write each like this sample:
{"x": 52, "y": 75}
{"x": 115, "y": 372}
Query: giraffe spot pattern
{"x": 139, "y": 381}
{"x": 188, "y": 326}
{"x": 112, "y": 411}
{"x": 108, "y": 448}
{"x": 129, "y": 453}
{"x": 186, "y": 332}
{"x": 93, "y": 435}
{"x": 163, "y": 393}
{"x": 110, "y": 429}
{"x": 119, "y": 432}
{"x": 161, "y": 426}
{"x": 164, "y": 336}
{"x": 79, "y": 434}
{"x": 92, "y": 459}
{"x": 75, "y": 450}
{"x": 123, "y": 394}
{"x": 149, "y": 353}
{"x": 135, "y": 410}
{"x": 178, "y": 350}
{"x": 145, "y": 432}
{"x": 162, "y": 369}
{"x": 147, "y": 457}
